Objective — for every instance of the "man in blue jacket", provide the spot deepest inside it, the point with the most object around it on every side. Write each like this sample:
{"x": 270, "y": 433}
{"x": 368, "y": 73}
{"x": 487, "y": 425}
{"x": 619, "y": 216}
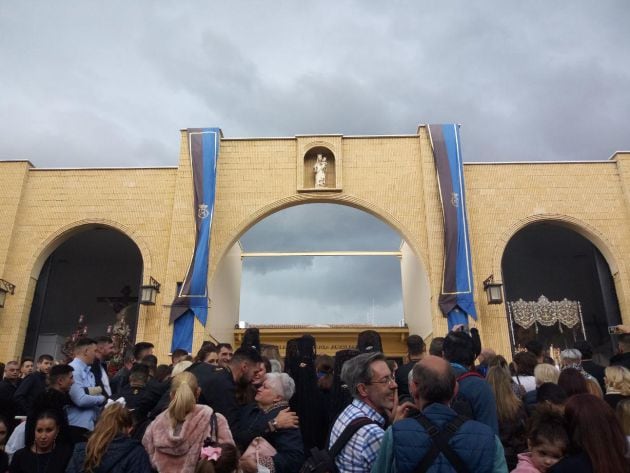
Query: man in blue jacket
{"x": 407, "y": 444}
{"x": 475, "y": 398}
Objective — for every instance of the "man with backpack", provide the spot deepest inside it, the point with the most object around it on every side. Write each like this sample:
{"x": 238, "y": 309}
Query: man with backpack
{"x": 474, "y": 398}
{"x": 437, "y": 439}
{"x": 361, "y": 424}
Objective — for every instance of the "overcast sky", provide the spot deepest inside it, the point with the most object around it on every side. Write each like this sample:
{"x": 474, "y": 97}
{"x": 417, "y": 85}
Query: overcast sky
{"x": 87, "y": 83}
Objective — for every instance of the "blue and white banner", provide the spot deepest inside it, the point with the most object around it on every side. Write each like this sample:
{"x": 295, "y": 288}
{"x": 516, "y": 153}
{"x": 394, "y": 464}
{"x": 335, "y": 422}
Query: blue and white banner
{"x": 456, "y": 295}
{"x": 192, "y": 298}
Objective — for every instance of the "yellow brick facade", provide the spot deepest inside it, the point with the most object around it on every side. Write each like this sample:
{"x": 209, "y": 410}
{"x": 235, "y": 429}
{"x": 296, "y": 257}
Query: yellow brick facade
{"x": 391, "y": 177}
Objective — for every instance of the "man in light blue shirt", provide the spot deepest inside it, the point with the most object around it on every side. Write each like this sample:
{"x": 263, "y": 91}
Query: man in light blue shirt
{"x": 87, "y": 398}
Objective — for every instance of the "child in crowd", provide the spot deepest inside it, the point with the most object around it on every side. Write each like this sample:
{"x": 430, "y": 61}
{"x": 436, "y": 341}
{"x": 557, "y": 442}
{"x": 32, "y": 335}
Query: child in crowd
{"x": 222, "y": 458}
{"x": 547, "y": 441}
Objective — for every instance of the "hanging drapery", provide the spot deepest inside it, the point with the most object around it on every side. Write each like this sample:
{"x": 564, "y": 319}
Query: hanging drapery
{"x": 456, "y": 295}
{"x": 191, "y": 300}
{"x": 546, "y": 313}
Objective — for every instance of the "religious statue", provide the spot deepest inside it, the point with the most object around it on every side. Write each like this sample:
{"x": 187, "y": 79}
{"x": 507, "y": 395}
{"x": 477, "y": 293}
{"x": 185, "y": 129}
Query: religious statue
{"x": 120, "y": 333}
{"x": 81, "y": 330}
{"x": 320, "y": 171}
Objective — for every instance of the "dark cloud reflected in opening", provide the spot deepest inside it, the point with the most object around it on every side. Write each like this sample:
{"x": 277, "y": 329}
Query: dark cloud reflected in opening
{"x": 321, "y": 289}
{"x": 319, "y": 227}
{"x": 332, "y": 290}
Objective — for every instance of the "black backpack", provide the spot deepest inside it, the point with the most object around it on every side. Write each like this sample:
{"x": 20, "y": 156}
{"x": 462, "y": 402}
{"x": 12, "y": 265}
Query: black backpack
{"x": 323, "y": 461}
{"x": 439, "y": 444}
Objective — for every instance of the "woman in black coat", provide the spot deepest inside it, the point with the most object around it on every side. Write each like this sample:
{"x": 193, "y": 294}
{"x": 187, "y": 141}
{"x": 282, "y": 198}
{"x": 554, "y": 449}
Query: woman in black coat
{"x": 110, "y": 449}
{"x": 258, "y": 420}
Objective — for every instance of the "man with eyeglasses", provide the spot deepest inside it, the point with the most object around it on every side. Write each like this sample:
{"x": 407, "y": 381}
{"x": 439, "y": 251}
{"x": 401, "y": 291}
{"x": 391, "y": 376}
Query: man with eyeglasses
{"x": 373, "y": 389}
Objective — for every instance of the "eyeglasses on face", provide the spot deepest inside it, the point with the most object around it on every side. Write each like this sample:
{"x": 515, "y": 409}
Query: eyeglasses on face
{"x": 386, "y": 380}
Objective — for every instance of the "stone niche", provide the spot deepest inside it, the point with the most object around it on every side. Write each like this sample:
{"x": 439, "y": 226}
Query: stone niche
{"x": 320, "y": 163}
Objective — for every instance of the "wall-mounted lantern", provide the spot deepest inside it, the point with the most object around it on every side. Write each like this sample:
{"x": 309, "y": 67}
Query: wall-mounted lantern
{"x": 494, "y": 290}
{"x": 149, "y": 292}
{"x": 5, "y": 288}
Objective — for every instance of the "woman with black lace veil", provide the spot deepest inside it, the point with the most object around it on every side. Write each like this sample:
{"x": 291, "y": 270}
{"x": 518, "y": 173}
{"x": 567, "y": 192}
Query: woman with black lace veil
{"x": 308, "y": 401}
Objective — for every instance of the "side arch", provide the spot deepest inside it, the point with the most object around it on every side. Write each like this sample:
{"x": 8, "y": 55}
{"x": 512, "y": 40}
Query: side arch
{"x": 54, "y": 240}
{"x": 608, "y": 250}
{"x": 589, "y": 232}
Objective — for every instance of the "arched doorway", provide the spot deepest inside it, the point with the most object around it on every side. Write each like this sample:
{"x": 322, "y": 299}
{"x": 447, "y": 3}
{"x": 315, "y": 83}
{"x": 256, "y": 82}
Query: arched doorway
{"x": 96, "y": 272}
{"x": 320, "y": 264}
{"x": 551, "y": 260}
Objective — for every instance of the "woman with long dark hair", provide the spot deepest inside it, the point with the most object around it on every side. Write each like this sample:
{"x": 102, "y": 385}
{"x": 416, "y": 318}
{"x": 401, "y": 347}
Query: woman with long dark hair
{"x": 109, "y": 448}
{"x": 598, "y": 443}
{"x": 44, "y": 455}
{"x": 572, "y": 381}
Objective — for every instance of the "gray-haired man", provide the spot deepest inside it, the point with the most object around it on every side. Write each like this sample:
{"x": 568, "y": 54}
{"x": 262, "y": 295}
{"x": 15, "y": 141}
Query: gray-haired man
{"x": 373, "y": 389}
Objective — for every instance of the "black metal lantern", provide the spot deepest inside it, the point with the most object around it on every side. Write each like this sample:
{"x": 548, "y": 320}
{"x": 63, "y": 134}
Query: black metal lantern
{"x": 5, "y": 288}
{"x": 494, "y": 290}
{"x": 149, "y": 292}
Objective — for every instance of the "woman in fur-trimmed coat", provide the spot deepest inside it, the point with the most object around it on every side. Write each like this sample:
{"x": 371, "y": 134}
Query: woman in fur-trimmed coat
{"x": 175, "y": 438}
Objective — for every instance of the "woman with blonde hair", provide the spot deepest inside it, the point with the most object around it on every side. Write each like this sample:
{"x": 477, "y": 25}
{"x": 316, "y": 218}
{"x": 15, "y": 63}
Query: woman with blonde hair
{"x": 617, "y": 380}
{"x": 543, "y": 373}
{"x": 511, "y": 415}
{"x": 109, "y": 448}
{"x": 175, "y": 438}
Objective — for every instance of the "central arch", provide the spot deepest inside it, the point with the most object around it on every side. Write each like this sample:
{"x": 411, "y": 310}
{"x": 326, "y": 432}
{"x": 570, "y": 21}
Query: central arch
{"x": 225, "y": 283}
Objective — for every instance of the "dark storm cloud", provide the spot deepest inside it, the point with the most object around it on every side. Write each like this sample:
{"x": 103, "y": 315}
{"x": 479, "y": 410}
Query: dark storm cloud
{"x": 88, "y": 83}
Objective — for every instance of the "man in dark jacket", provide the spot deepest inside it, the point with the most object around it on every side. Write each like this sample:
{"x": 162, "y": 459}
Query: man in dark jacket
{"x": 104, "y": 351}
{"x": 135, "y": 390}
{"x": 475, "y": 398}
{"x": 218, "y": 385}
{"x": 407, "y": 442}
{"x": 416, "y": 348}
{"x": 8, "y": 386}
{"x": 33, "y": 385}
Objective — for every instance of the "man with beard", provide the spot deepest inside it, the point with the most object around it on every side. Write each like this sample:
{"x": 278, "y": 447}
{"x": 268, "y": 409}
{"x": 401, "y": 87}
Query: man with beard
{"x": 219, "y": 384}
{"x": 33, "y": 385}
{"x": 104, "y": 351}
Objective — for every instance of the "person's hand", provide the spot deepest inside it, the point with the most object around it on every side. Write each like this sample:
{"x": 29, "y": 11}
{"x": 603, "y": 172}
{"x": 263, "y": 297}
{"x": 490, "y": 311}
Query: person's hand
{"x": 248, "y": 464}
{"x": 400, "y": 412}
{"x": 623, "y": 328}
{"x": 286, "y": 419}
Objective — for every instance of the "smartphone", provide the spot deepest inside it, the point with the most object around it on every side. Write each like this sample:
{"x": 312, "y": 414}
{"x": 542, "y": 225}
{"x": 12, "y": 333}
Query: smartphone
{"x": 613, "y": 330}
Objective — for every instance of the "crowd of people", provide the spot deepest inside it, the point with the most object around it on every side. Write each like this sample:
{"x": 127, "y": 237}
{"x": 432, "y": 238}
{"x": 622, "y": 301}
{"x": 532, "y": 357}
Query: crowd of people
{"x": 452, "y": 406}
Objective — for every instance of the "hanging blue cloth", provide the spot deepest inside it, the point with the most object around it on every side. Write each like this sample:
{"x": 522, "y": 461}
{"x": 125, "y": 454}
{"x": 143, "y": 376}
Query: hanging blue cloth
{"x": 191, "y": 300}
{"x": 456, "y": 295}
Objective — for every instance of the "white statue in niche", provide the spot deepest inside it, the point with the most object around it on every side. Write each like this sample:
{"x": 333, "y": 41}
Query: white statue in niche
{"x": 320, "y": 171}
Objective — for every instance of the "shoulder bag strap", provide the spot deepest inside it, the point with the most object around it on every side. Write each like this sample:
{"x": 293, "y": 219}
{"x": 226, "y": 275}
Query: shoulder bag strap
{"x": 347, "y": 434}
{"x": 439, "y": 441}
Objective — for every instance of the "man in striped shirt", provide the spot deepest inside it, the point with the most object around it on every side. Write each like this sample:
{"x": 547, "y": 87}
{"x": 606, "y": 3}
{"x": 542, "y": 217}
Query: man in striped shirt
{"x": 373, "y": 389}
